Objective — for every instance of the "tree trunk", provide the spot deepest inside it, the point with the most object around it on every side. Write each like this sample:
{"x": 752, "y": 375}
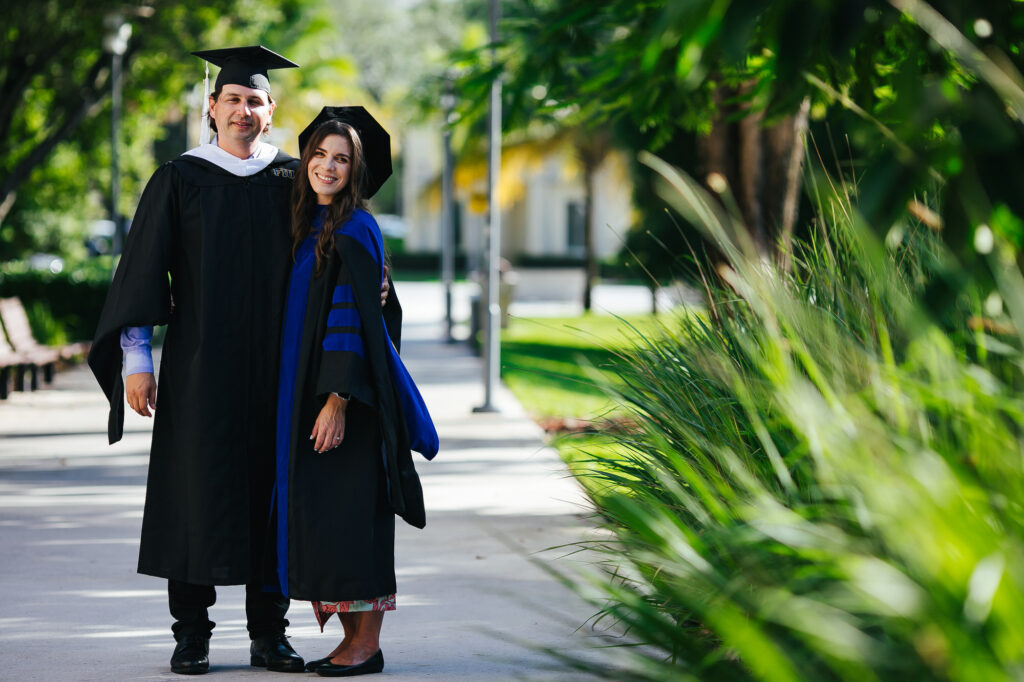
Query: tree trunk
{"x": 5, "y": 205}
{"x": 589, "y": 257}
{"x": 787, "y": 143}
{"x": 761, "y": 165}
{"x": 592, "y": 149}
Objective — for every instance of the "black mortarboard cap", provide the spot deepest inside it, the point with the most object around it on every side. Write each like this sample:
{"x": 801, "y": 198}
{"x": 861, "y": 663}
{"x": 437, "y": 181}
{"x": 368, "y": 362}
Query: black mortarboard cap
{"x": 246, "y": 66}
{"x": 376, "y": 142}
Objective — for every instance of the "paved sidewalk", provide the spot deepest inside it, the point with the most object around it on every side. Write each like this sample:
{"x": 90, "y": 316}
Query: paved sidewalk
{"x": 71, "y": 507}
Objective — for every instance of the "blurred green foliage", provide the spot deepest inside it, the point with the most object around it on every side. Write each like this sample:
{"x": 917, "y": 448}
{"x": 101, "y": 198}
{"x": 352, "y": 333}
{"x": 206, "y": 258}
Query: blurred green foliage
{"x": 824, "y": 483}
{"x": 62, "y": 306}
{"x": 55, "y": 88}
{"x": 55, "y": 103}
{"x": 920, "y": 92}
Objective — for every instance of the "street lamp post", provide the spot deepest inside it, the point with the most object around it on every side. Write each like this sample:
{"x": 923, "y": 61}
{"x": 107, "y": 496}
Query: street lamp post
{"x": 447, "y": 212}
{"x": 116, "y": 42}
{"x": 492, "y": 334}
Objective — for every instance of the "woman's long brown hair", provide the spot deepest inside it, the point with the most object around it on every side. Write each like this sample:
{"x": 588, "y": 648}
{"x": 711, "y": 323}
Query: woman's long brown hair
{"x": 304, "y": 199}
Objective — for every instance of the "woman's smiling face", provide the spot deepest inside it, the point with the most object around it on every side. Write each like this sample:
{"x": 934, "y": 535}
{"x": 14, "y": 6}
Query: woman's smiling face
{"x": 328, "y": 170}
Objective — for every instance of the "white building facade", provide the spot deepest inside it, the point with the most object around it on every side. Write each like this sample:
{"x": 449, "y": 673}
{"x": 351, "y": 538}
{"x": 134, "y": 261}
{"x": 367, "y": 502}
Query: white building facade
{"x": 541, "y": 192}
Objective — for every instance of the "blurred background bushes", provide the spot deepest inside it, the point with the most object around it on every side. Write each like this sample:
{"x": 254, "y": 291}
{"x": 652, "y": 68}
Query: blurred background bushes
{"x": 62, "y": 306}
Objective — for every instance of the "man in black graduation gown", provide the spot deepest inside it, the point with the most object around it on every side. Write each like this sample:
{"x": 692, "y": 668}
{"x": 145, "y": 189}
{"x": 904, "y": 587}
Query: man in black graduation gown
{"x": 208, "y": 255}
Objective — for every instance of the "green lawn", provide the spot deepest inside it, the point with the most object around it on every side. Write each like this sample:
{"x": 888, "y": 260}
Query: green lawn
{"x": 555, "y": 365}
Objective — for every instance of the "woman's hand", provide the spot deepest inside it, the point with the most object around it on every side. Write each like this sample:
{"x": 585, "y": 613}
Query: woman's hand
{"x": 329, "y": 429}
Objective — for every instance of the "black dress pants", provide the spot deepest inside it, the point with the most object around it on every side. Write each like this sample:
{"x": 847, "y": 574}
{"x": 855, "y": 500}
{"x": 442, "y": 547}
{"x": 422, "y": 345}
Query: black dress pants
{"x": 189, "y": 604}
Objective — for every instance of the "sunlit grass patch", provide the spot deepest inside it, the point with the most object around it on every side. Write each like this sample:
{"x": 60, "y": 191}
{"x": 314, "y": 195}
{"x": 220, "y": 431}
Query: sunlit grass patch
{"x": 555, "y": 366}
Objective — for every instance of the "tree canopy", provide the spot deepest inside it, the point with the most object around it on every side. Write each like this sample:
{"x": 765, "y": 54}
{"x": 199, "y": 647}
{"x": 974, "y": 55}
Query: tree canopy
{"x": 920, "y": 90}
{"x": 55, "y": 84}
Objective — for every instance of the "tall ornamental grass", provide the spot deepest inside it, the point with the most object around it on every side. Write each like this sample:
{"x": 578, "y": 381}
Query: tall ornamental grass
{"x": 826, "y": 482}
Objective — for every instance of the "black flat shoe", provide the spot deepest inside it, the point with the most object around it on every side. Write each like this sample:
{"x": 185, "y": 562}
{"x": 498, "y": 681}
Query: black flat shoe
{"x": 311, "y": 666}
{"x": 374, "y": 664}
{"x": 274, "y": 653}
{"x": 191, "y": 656}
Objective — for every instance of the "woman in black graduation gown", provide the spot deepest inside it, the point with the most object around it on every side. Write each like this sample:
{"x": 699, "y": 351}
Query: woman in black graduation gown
{"x": 348, "y": 413}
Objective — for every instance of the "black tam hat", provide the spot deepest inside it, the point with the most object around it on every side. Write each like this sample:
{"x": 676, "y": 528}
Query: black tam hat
{"x": 376, "y": 142}
{"x": 246, "y": 66}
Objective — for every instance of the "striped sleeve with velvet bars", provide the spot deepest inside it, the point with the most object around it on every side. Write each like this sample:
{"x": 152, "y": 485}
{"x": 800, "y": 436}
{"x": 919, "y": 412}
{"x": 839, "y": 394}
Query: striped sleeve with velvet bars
{"x": 343, "y": 363}
{"x": 421, "y": 433}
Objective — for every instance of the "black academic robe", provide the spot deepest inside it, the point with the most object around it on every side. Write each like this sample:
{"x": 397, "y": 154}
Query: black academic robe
{"x": 339, "y": 535}
{"x": 218, "y": 246}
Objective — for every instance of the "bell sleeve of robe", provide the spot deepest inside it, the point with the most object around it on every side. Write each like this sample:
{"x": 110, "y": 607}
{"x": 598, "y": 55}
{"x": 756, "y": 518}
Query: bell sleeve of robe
{"x": 361, "y": 246}
{"x": 140, "y": 293}
{"x": 343, "y": 368}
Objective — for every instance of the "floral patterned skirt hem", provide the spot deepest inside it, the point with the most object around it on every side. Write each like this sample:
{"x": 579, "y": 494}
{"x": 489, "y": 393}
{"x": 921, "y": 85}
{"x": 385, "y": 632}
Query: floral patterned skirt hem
{"x": 323, "y": 609}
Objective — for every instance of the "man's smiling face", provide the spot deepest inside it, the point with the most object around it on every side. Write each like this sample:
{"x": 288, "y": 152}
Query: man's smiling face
{"x": 241, "y": 113}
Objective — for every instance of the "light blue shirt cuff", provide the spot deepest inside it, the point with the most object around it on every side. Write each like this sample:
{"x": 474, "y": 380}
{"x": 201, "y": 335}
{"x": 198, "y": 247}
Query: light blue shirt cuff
{"x": 136, "y": 344}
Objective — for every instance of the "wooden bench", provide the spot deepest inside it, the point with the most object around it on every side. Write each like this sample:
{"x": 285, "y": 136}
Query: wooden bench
{"x": 15, "y": 321}
{"x": 24, "y": 353}
{"x": 12, "y": 314}
{"x": 14, "y": 364}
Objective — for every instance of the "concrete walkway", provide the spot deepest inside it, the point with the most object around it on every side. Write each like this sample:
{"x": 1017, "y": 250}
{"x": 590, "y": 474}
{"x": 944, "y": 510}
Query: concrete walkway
{"x": 73, "y": 607}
